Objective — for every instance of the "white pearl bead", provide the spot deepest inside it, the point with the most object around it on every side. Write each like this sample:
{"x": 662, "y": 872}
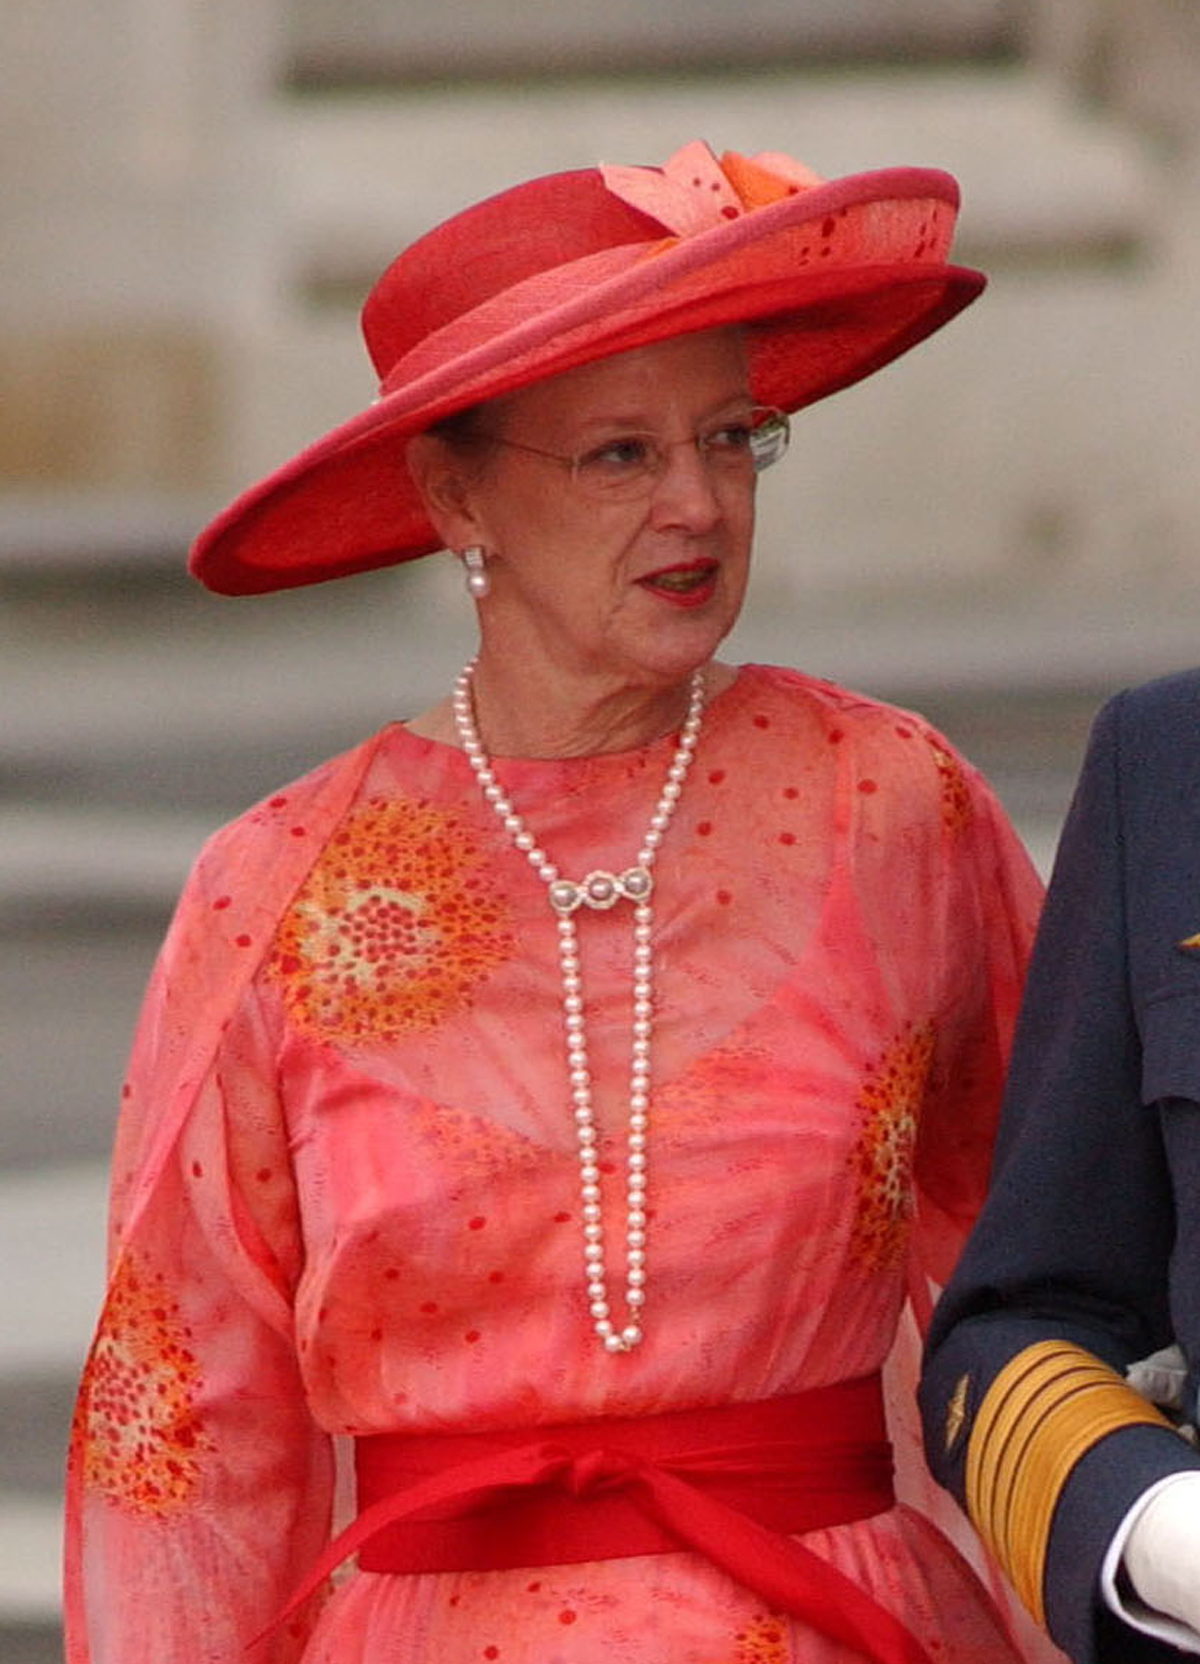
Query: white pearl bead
{"x": 635, "y": 1297}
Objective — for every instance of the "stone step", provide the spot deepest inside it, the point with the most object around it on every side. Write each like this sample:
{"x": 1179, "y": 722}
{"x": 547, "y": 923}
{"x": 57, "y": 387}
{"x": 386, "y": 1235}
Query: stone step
{"x": 372, "y": 41}
{"x": 36, "y": 1642}
{"x": 64, "y": 860}
{"x": 52, "y": 1248}
{"x": 30, "y": 1571}
{"x": 69, "y": 998}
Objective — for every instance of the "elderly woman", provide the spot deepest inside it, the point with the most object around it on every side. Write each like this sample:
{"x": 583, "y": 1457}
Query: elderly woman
{"x": 554, "y": 1100}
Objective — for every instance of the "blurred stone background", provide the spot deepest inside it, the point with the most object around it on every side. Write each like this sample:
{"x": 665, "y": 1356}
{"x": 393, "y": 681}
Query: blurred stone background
{"x": 195, "y": 195}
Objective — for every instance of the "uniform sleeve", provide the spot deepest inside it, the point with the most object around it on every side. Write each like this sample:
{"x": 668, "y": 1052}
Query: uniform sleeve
{"x": 1064, "y": 1280}
{"x": 199, "y": 1490}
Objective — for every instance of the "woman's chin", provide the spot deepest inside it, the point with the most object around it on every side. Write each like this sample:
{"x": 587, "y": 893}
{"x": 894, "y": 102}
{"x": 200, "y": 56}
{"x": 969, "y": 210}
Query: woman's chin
{"x": 681, "y": 642}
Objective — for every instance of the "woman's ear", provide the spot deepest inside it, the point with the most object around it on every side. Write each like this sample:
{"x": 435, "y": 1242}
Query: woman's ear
{"x": 444, "y": 479}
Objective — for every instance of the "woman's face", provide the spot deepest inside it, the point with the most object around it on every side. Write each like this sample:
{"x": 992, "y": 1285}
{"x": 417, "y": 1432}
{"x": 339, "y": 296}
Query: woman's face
{"x": 636, "y": 590}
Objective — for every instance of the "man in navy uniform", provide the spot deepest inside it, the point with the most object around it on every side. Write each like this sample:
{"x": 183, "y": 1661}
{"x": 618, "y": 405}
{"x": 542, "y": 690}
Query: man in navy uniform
{"x": 1083, "y": 1273}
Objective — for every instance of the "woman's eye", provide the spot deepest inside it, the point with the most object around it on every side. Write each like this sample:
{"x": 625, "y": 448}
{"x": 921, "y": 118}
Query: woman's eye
{"x": 734, "y": 436}
{"x": 625, "y": 455}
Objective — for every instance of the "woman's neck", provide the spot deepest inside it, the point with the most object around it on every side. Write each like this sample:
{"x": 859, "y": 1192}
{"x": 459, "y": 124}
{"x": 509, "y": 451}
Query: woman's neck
{"x": 515, "y": 718}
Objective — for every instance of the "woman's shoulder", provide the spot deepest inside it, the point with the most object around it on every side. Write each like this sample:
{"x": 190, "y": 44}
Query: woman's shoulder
{"x": 859, "y": 716}
{"x": 892, "y": 758}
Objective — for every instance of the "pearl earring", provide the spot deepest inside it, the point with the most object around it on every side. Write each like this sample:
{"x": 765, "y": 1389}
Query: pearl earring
{"x": 478, "y": 580}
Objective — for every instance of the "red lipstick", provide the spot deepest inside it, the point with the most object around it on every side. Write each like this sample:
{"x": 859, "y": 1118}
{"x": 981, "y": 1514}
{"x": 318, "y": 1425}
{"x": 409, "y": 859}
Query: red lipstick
{"x": 688, "y": 584}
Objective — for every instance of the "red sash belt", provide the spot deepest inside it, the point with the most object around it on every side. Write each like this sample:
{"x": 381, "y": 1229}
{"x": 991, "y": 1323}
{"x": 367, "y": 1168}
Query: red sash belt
{"x": 728, "y": 1483}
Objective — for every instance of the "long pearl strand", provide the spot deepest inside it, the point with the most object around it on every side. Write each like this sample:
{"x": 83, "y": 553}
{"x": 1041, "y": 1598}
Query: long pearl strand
{"x": 600, "y": 891}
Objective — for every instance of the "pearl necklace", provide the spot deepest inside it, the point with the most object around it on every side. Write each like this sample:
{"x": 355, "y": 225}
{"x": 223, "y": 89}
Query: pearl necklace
{"x": 600, "y": 891}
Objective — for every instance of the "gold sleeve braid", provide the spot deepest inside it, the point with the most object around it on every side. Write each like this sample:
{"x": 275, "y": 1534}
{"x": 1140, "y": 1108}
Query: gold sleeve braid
{"x": 1044, "y": 1411}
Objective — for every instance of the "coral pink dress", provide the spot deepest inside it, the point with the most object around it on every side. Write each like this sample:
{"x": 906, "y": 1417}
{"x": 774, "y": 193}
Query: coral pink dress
{"x": 346, "y": 1180}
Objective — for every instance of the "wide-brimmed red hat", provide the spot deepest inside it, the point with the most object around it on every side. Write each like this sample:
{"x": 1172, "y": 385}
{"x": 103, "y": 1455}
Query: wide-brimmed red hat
{"x": 832, "y": 279}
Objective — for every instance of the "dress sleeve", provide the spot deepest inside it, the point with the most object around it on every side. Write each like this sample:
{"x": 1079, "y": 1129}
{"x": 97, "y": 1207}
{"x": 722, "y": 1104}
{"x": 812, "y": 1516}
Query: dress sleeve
{"x": 199, "y": 1490}
{"x": 988, "y": 908}
{"x": 1063, "y": 1282}
{"x": 198, "y": 1487}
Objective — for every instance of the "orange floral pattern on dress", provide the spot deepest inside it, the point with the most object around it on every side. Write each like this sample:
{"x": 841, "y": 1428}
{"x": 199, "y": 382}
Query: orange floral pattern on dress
{"x": 138, "y": 1436}
{"x": 957, "y": 808}
{"x": 764, "y": 1640}
{"x": 395, "y": 925}
{"x": 882, "y": 1159}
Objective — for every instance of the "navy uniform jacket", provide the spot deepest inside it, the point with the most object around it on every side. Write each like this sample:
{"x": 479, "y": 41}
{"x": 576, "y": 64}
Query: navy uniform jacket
{"x": 1087, "y": 1255}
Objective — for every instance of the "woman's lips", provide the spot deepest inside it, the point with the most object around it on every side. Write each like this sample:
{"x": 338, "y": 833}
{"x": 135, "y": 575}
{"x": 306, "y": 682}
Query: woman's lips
{"x": 687, "y": 585}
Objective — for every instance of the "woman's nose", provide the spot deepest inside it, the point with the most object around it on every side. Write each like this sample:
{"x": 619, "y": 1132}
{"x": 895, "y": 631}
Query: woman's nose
{"x": 685, "y": 493}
